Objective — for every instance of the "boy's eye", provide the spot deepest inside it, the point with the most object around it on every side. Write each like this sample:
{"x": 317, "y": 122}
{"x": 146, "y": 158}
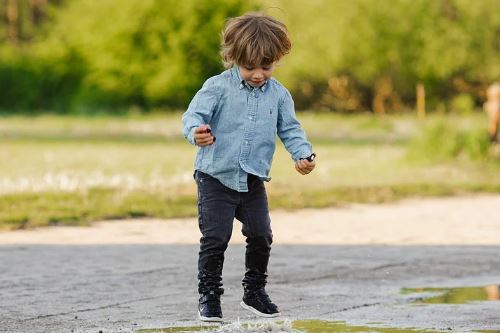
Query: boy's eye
{"x": 249, "y": 68}
{"x": 266, "y": 68}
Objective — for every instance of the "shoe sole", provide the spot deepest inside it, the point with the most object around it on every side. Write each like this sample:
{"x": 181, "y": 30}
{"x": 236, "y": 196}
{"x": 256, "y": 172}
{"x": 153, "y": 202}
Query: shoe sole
{"x": 210, "y": 319}
{"x": 257, "y": 312}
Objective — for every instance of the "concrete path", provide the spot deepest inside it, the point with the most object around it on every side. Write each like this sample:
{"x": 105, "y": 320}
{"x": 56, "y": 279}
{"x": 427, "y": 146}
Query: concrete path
{"x": 122, "y": 288}
{"x": 340, "y": 264}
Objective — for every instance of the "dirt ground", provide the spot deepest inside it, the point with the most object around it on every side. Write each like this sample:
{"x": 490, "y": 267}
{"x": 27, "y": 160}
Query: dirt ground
{"x": 340, "y": 264}
{"x": 471, "y": 220}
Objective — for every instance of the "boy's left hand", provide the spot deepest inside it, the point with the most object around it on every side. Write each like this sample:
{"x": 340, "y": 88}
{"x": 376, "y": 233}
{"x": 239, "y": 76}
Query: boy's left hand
{"x": 304, "y": 166}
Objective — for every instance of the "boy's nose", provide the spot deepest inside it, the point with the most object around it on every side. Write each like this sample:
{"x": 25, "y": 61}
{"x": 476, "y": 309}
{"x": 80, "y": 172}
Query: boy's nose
{"x": 259, "y": 75}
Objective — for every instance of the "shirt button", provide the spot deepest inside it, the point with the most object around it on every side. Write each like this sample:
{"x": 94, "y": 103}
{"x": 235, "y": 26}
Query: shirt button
{"x": 246, "y": 142}
{"x": 250, "y": 117}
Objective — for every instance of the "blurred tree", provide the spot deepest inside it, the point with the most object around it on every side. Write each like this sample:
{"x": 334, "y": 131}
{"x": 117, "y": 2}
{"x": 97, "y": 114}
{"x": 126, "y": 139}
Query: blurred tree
{"x": 109, "y": 53}
{"x": 143, "y": 52}
{"x": 347, "y": 55}
{"x": 386, "y": 48}
{"x": 22, "y": 19}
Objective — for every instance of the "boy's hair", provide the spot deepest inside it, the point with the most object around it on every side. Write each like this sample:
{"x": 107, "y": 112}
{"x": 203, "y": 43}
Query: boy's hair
{"x": 254, "y": 39}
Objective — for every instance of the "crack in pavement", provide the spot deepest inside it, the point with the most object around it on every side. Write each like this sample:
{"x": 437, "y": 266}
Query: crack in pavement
{"x": 399, "y": 264}
{"x": 338, "y": 273}
{"x": 405, "y": 301}
{"x": 365, "y": 305}
{"x": 93, "y": 309}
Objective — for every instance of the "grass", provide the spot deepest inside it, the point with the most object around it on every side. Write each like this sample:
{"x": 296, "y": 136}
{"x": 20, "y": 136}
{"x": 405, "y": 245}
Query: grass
{"x": 73, "y": 170}
{"x": 448, "y": 138}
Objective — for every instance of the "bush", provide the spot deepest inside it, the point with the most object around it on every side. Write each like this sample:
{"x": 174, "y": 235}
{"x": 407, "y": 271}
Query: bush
{"x": 106, "y": 53}
{"x": 31, "y": 83}
{"x": 145, "y": 53}
{"x": 462, "y": 104}
{"x": 450, "y": 46}
{"x": 447, "y": 139}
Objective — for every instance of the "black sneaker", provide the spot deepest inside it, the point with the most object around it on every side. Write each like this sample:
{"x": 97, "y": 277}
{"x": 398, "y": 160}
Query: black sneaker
{"x": 258, "y": 302}
{"x": 209, "y": 307}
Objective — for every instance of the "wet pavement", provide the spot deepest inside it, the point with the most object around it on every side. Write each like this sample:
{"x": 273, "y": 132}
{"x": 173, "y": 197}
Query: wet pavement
{"x": 126, "y": 288}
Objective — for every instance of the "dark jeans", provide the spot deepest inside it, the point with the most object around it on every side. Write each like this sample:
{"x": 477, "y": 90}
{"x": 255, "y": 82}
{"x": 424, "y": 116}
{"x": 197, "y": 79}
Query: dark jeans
{"x": 218, "y": 205}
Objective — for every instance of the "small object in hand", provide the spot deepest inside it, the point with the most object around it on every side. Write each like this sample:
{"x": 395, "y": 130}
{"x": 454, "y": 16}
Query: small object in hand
{"x": 310, "y": 158}
{"x": 208, "y": 130}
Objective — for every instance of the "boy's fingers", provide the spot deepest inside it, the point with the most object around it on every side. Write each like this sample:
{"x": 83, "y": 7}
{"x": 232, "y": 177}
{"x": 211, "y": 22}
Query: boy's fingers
{"x": 204, "y": 140}
{"x": 299, "y": 169}
{"x": 202, "y": 136}
{"x": 305, "y": 164}
{"x": 309, "y": 164}
{"x": 201, "y": 129}
{"x": 310, "y": 167}
{"x": 304, "y": 167}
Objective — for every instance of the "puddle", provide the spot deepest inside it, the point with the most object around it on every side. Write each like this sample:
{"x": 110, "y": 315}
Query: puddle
{"x": 320, "y": 326}
{"x": 179, "y": 329}
{"x": 460, "y": 295}
{"x": 297, "y": 326}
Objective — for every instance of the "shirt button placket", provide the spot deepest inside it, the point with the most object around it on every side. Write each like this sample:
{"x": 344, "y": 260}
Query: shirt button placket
{"x": 247, "y": 136}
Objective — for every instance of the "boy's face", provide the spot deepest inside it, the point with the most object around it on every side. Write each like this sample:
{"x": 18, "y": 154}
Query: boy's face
{"x": 257, "y": 76}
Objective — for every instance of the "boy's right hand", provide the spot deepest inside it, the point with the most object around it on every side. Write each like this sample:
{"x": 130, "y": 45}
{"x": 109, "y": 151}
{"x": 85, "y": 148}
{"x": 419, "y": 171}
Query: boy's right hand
{"x": 203, "y": 136}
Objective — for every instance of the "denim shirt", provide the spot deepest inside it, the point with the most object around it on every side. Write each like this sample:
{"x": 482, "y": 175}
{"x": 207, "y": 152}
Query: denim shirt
{"x": 245, "y": 121}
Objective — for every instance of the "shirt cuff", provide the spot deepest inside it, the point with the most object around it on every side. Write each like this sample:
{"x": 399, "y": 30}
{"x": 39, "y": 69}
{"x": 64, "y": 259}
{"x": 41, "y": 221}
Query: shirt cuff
{"x": 190, "y": 136}
{"x": 302, "y": 154}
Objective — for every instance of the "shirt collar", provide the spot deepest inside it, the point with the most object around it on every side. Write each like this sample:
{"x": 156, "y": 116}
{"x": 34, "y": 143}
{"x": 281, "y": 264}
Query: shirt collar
{"x": 244, "y": 84}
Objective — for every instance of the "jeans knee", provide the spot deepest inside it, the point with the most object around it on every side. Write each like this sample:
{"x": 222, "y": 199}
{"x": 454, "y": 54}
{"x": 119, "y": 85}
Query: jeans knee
{"x": 263, "y": 241}
{"x": 214, "y": 244}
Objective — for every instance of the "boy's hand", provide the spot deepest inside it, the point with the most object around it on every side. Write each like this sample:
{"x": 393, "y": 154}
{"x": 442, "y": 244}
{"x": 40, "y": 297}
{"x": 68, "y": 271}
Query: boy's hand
{"x": 203, "y": 136}
{"x": 303, "y": 166}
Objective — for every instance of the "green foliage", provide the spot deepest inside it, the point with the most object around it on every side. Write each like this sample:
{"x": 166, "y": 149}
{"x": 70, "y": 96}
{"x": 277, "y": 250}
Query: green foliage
{"x": 448, "y": 138}
{"x": 101, "y": 53}
{"x": 441, "y": 43}
{"x": 22, "y": 20}
{"x": 27, "y": 210}
{"x": 92, "y": 54}
{"x": 462, "y": 104}
{"x": 143, "y": 52}
{"x": 74, "y": 169}
{"x": 33, "y": 83}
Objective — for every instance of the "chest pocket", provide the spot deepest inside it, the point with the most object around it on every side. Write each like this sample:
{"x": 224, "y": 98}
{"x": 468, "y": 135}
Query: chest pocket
{"x": 268, "y": 116}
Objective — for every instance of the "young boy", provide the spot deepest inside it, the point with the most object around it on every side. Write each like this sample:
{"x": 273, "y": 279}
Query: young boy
{"x": 234, "y": 120}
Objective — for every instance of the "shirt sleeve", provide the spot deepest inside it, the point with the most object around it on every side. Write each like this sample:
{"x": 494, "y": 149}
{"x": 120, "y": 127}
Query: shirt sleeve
{"x": 290, "y": 131}
{"x": 201, "y": 109}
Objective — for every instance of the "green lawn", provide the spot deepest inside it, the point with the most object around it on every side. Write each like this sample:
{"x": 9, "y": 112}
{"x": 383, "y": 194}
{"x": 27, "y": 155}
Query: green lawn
{"x": 72, "y": 170}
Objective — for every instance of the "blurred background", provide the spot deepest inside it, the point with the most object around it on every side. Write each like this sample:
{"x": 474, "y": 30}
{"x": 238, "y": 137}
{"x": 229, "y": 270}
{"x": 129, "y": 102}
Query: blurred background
{"x": 390, "y": 93}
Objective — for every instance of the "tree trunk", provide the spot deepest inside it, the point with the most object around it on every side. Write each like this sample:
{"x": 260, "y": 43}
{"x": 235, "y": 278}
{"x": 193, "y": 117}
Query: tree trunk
{"x": 12, "y": 15}
{"x": 37, "y": 11}
{"x": 421, "y": 101}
